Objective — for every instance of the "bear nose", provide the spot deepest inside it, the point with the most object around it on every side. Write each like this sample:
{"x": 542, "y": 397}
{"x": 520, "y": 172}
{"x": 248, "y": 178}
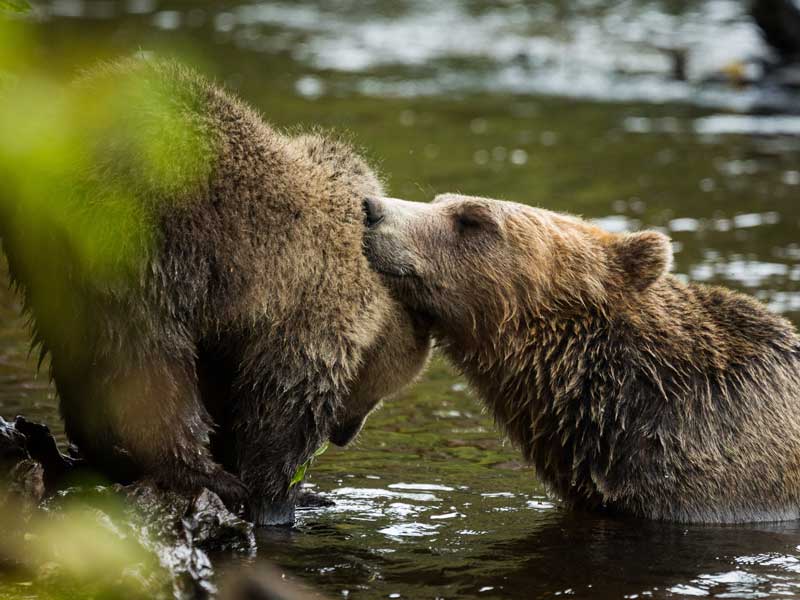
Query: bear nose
{"x": 373, "y": 212}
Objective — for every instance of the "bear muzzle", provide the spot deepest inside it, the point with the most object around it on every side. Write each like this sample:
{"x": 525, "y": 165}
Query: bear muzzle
{"x": 373, "y": 212}
{"x": 344, "y": 433}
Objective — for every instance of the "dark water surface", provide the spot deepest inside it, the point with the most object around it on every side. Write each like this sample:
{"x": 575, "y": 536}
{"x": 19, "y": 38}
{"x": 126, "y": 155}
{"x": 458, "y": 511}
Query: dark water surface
{"x": 450, "y": 96}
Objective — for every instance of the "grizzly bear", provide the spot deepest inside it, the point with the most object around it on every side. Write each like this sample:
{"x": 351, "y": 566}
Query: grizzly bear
{"x": 198, "y": 281}
{"x": 627, "y": 389}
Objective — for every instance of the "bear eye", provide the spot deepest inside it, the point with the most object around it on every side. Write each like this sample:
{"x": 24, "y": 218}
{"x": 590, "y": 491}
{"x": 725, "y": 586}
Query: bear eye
{"x": 466, "y": 222}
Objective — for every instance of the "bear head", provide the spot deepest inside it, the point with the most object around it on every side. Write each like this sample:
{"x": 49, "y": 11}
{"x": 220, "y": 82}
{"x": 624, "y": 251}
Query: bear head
{"x": 472, "y": 265}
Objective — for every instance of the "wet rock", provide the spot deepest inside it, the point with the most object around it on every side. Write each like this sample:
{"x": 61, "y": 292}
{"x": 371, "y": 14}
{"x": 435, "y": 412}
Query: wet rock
{"x": 203, "y": 520}
{"x": 180, "y": 530}
{"x": 214, "y": 528}
{"x": 26, "y": 483}
{"x": 41, "y": 446}
{"x": 22, "y": 477}
{"x": 12, "y": 444}
{"x": 132, "y": 541}
{"x": 168, "y": 535}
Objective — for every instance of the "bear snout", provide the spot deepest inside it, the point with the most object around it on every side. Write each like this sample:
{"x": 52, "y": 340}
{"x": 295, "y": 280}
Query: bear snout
{"x": 385, "y": 241}
{"x": 386, "y": 258}
{"x": 344, "y": 433}
{"x": 373, "y": 212}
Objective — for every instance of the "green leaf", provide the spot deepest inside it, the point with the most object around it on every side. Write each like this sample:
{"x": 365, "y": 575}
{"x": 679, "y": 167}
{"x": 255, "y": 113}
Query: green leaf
{"x": 300, "y": 473}
{"x": 18, "y": 6}
{"x": 321, "y": 450}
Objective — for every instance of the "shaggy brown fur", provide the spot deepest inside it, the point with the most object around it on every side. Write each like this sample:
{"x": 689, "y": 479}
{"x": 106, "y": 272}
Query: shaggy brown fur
{"x": 210, "y": 309}
{"x": 625, "y": 387}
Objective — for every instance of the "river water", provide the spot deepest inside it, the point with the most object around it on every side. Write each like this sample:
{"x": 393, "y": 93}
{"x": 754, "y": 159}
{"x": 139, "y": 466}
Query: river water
{"x": 567, "y": 105}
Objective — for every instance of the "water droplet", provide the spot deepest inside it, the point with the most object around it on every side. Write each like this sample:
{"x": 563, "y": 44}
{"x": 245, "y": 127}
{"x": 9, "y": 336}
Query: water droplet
{"x": 478, "y": 126}
{"x": 519, "y": 156}
{"x": 224, "y": 22}
{"x": 499, "y": 153}
{"x": 407, "y": 118}
{"x": 309, "y": 86}
{"x": 481, "y": 157}
{"x": 167, "y": 19}
{"x": 548, "y": 138}
{"x": 791, "y": 178}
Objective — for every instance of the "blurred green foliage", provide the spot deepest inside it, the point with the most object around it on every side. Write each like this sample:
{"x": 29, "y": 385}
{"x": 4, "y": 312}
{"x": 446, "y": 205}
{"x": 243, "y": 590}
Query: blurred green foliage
{"x": 74, "y": 549}
{"x": 96, "y": 161}
{"x": 19, "y": 6}
{"x": 89, "y": 168}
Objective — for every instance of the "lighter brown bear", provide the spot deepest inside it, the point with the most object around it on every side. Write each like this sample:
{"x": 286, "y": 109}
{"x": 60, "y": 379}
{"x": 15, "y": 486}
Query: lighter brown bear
{"x": 628, "y": 389}
{"x": 197, "y": 279}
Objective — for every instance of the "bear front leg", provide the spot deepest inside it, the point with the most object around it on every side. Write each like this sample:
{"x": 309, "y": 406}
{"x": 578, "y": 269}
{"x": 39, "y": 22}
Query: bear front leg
{"x": 275, "y": 434}
{"x": 172, "y": 441}
{"x": 150, "y": 416}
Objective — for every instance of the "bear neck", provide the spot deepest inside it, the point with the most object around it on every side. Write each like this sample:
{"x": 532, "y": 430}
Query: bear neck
{"x": 532, "y": 372}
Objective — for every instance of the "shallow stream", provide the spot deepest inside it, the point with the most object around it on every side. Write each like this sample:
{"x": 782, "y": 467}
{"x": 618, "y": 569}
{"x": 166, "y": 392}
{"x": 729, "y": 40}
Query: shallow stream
{"x": 557, "y": 104}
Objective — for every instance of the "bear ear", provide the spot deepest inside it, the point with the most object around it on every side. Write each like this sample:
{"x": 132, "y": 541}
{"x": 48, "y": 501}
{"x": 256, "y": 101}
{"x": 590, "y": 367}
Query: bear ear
{"x": 643, "y": 257}
{"x": 474, "y": 216}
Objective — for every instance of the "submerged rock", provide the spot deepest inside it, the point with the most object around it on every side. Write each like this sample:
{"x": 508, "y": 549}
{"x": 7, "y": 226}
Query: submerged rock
{"x": 264, "y": 583}
{"x": 21, "y": 476}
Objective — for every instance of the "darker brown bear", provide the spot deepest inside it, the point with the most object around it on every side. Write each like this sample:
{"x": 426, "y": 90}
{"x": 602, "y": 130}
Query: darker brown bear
{"x": 198, "y": 280}
{"x": 628, "y": 389}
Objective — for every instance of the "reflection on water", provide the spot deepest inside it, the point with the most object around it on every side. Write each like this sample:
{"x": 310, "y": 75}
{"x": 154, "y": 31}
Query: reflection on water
{"x": 431, "y": 502}
{"x": 518, "y": 545}
{"x": 715, "y": 125}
